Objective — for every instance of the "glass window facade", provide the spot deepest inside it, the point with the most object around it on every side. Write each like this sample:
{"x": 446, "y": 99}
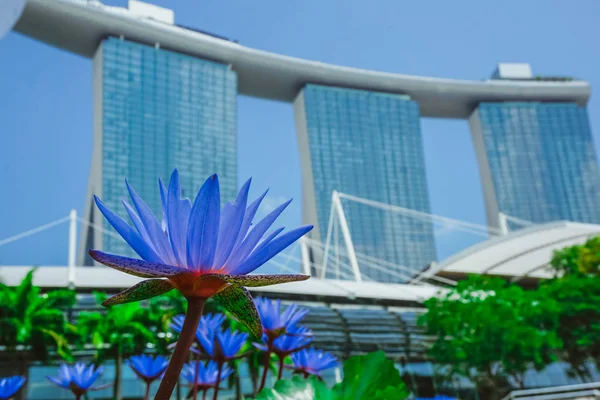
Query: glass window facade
{"x": 541, "y": 160}
{"x": 369, "y": 145}
{"x": 163, "y": 110}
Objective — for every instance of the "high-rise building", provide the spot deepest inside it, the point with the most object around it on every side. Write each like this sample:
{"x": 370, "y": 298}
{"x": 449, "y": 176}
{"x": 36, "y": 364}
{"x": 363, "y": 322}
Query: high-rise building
{"x": 537, "y": 161}
{"x": 369, "y": 145}
{"x": 155, "y": 110}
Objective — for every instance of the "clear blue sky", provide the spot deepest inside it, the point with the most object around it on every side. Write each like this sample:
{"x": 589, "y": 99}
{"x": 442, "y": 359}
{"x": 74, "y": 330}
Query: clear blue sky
{"x": 46, "y": 94}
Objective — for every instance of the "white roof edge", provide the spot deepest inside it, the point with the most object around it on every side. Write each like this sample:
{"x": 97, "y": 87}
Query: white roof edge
{"x": 590, "y": 229}
{"x": 79, "y": 27}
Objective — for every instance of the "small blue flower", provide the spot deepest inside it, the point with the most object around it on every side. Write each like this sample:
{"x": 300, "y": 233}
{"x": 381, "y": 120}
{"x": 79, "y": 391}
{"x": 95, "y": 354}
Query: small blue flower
{"x": 202, "y": 250}
{"x": 78, "y": 378}
{"x": 313, "y": 362}
{"x": 11, "y": 385}
{"x": 274, "y": 321}
{"x": 208, "y": 323}
{"x": 207, "y": 373}
{"x": 437, "y": 397}
{"x": 148, "y": 368}
{"x": 295, "y": 339}
{"x": 222, "y": 345}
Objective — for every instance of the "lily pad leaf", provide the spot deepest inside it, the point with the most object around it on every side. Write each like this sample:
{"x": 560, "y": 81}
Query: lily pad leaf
{"x": 297, "y": 388}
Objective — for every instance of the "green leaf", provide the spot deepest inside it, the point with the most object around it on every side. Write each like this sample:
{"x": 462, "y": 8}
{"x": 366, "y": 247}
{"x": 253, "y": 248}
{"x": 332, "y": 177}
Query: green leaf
{"x": 142, "y": 291}
{"x": 257, "y": 280}
{"x": 372, "y": 376}
{"x": 238, "y": 302}
{"x": 298, "y": 388}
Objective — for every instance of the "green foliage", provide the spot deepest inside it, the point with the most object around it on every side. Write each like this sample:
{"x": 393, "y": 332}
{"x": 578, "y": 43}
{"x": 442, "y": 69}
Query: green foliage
{"x": 578, "y": 299}
{"x": 123, "y": 328}
{"x": 487, "y": 329}
{"x": 371, "y": 376}
{"x": 35, "y": 320}
{"x": 578, "y": 260}
{"x": 576, "y": 289}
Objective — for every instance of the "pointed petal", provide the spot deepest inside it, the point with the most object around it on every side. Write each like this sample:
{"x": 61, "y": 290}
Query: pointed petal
{"x": 137, "y": 222}
{"x": 142, "y": 291}
{"x": 203, "y": 227}
{"x": 178, "y": 214}
{"x": 136, "y": 267}
{"x": 258, "y": 280}
{"x": 57, "y": 382}
{"x": 248, "y": 217}
{"x": 270, "y": 250}
{"x": 133, "y": 239}
{"x": 230, "y": 226}
{"x": 254, "y": 236}
{"x": 100, "y": 387}
{"x": 238, "y": 302}
{"x": 159, "y": 239}
{"x": 163, "y": 204}
{"x": 268, "y": 238}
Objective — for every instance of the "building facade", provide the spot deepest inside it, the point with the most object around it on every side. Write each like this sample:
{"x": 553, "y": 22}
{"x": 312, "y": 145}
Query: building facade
{"x": 156, "y": 110}
{"x": 537, "y": 161}
{"x": 369, "y": 145}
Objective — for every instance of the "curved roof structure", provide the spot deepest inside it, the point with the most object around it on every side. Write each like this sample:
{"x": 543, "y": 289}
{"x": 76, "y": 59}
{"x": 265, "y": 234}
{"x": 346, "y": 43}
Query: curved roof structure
{"x": 520, "y": 254}
{"x": 79, "y": 25}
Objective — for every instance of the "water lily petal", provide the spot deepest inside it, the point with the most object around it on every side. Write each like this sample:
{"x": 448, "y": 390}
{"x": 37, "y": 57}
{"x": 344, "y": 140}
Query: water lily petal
{"x": 137, "y": 222}
{"x": 258, "y": 280}
{"x": 178, "y": 214}
{"x": 254, "y": 236}
{"x": 231, "y": 223}
{"x": 136, "y": 267}
{"x": 268, "y": 239}
{"x": 142, "y": 291}
{"x": 248, "y": 217}
{"x": 238, "y": 301}
{"x": 133, "y": 239}
{"x": 203, "y": 228}
{"x": 155, "y": 232}
{"x": 163, "y": 204}
{"x": 57, "y": 382}
{"x": 264, "y": 254}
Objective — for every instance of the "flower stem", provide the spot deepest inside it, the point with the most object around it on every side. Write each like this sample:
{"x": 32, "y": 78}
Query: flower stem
{"x": 186, "y": 338}
{"x": 280, "y": 372}
{"x": 216, "y": 391}
{"x": 147, "y": 395}
{"x": 266, "y": 364}
{"x": 195, "y": 387}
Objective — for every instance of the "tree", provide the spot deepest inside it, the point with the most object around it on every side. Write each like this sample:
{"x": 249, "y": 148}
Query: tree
{"x": 581, "y": 259}
{"x": 119, "y": 333}
{"x": 489, "y": 330}
{"x": 576, "y": 288}
{"x": 33, "y": 323}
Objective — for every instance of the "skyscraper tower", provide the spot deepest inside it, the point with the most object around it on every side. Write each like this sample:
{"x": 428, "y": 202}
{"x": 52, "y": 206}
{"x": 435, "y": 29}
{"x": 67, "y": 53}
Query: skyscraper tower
{"x": 366, "y": 144}
{"x": 155, "y": 110}
{"x": 537, "y": 161}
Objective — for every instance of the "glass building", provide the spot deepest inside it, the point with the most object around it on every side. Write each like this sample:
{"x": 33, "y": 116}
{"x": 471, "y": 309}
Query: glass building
{"x": 369, "y": 145}
{"x": 537, "y": 161}
{"x": 156, "y": 110}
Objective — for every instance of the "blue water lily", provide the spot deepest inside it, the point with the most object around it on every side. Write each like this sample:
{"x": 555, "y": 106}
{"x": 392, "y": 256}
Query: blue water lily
{"x": 207, "y": 375}
{"x": 313, "y": 362}
{"x": 222, "y": 345}
{"x": 297, "y": 338}
{"x": 78, "y": 378}
{"x": 276, "y": 322}
{"x": 202, "y": 250}
{"x": 10, "y": 385}
{"x": 148, "y": 368}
